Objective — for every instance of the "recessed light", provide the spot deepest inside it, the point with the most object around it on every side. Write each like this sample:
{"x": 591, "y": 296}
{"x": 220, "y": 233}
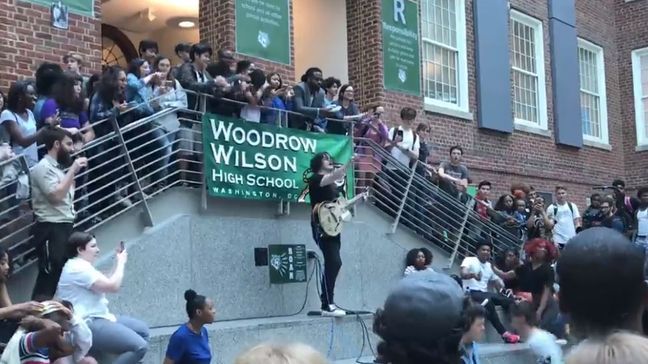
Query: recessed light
{"x": 186, "y": 24}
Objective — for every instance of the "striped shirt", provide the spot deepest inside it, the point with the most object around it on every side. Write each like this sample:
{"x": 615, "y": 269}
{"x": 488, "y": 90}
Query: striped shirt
{"x": 29, "y": 353}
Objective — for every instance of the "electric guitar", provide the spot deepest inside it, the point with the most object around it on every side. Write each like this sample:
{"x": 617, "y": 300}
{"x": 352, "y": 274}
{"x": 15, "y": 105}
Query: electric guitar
{"x": 332, "y": 214}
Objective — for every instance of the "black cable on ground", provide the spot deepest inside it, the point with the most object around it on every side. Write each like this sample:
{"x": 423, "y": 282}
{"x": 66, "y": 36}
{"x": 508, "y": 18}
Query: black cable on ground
{"x": 366, "y": 336}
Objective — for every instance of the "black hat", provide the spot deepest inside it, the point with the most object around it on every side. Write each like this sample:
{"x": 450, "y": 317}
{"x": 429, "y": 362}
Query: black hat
{"x": 424, "y": 306}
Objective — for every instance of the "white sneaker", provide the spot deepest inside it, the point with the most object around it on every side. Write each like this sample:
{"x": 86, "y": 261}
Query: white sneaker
{"x": 333, "y": 311}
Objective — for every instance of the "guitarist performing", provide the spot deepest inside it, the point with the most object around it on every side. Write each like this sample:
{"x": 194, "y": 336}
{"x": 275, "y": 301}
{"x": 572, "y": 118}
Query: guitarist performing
{"x": 323, "y": 188}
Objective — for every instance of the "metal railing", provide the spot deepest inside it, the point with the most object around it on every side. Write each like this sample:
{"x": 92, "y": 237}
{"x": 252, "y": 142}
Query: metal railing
{"x": 133, "y": 163}
{"x": 414, "y": 201}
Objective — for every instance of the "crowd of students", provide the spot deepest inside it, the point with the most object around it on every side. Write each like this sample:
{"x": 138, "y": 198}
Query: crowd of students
{"x": 602, "y": 295}
{"x": 66, "y": 110}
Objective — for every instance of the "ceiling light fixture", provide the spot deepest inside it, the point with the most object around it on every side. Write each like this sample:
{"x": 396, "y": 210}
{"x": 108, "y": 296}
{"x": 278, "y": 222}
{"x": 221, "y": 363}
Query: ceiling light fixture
{"x": 186, "y": 24}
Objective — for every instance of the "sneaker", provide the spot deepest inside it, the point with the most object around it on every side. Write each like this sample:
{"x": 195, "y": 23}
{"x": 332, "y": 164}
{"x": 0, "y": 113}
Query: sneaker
{"x": 333, "y": 311}
{"x": 510, "y": 338}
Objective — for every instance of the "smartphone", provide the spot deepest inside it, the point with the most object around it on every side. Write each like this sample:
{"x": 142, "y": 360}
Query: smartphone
{"x": 121, "y": 246}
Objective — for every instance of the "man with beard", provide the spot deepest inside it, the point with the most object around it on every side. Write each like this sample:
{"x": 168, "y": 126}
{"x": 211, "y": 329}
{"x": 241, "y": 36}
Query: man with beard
{"x": 53, "y": 204}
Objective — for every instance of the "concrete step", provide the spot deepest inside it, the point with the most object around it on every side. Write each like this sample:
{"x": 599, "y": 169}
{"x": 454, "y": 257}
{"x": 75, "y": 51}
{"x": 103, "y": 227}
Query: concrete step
{"x": 337, "y": 338}
{"x": 488, "y": 354}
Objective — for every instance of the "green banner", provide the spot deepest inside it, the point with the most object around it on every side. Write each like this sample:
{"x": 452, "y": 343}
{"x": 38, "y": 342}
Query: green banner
{"x": 81, "y": 7}
{"x": 401, "y": 54}
{"x": 287, "y": 263}
{"x": 263, "y": 29}
{"x": 262, "y": 162}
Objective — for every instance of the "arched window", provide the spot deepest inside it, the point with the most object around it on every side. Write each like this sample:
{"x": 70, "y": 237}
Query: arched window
{"x": 117, "y": 49}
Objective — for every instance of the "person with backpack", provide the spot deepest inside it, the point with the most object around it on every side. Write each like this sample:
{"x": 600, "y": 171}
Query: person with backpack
{"x": 403, "y": 145}
{"x": 567, "y": 219}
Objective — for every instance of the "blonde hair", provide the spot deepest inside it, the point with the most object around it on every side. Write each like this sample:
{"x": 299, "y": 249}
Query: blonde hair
{"x": 616, "y": 348}
{"x": 295, "y": 353}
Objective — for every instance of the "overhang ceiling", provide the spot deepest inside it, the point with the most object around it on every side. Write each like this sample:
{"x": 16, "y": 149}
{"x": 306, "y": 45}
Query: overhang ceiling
{"x": 148, "y": 15}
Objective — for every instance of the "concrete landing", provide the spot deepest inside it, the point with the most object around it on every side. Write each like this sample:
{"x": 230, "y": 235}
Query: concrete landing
{"x": 338, "y": 339}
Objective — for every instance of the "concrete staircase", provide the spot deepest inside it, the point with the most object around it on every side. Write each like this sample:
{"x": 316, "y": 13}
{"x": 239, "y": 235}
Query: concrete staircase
{"x": 212, "y": 251}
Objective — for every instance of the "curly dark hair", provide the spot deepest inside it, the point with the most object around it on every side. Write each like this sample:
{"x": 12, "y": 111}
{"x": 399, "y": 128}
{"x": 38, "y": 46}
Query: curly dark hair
{"x": 444, "y": 350}
{"x": 500, "y": 259}
{"x": 410, "y": 259}
{"x": 501, "y": 206}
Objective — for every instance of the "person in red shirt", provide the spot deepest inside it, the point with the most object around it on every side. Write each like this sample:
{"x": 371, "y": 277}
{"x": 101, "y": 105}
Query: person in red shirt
{"x": 483, "y": 203}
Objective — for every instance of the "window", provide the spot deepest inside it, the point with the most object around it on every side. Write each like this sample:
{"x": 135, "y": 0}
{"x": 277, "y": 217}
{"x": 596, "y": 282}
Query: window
{"x": 445, "y": 70}
{"x": 528, "y": 73}
{"x": 592, "y": 92}
{"x": 640, "y": 81}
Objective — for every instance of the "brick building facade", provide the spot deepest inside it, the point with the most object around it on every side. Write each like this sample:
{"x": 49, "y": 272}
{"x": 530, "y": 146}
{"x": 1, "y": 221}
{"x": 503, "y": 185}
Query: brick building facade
{"x": 617, "y": 26}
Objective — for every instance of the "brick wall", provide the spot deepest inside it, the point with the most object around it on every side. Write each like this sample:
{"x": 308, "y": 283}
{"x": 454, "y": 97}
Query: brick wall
{"x": 27, "y": 39}
{"x": 631, "y": 21}
{"x": 501, "y": 158}
{"x": 217, "y": 27}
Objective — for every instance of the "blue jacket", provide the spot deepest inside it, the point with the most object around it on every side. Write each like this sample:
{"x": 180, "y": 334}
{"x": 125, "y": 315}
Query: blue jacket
{"x": 473, "y": 358}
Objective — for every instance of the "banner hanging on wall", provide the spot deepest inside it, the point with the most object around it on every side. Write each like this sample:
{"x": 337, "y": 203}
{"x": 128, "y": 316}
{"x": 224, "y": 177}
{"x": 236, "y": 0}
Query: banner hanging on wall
{"x": 263, "y": 29}
{"x": 80, "y": 7}
{"x": 262, "y": 162}
{"x": 401, "y": 50}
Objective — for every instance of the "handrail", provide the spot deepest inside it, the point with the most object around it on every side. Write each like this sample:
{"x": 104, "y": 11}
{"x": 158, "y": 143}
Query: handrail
{"x": 263, "y": 107}
{"x": 110, "y": 191}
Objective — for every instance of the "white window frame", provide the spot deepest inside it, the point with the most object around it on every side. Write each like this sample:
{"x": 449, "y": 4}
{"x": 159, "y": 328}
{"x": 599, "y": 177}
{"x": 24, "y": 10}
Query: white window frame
{"x": 602, "y": 94}
{"x": 540, "y": 69}
{"x": 462, "y": 64}
{"x": 639, "y": 94}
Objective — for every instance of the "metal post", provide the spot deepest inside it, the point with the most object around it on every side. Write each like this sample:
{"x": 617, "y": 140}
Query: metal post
{"x": 281, "y": 208}
{"x": 455, "y": 250}
{"x": 402, "y": 204}
{"x": 148, "y": 218}
{"x": 203, "y": 185}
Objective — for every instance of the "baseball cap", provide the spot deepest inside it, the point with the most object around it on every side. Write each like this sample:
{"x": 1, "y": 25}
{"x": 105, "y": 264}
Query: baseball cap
{"x": 50, "y": 307}
{"x": 423, "y": 306}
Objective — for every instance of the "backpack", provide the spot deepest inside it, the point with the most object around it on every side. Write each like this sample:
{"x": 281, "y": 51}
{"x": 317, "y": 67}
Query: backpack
{"x": 555, "y": 209}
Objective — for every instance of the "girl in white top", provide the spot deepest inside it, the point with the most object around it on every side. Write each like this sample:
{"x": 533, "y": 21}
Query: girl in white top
{"x": 86, "y": 287}
{"x": 418, "y": 260}
{"x": 17, "y": 122}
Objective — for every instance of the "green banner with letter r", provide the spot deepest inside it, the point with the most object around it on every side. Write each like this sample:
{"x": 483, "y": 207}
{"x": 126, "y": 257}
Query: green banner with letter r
{"x": 401, "y": 49}
{"x": 262, "y": 162}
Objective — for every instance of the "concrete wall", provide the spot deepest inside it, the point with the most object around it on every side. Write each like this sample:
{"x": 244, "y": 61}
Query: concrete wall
{"x": 321, "y": 37}
{"x": 212, "y": 252}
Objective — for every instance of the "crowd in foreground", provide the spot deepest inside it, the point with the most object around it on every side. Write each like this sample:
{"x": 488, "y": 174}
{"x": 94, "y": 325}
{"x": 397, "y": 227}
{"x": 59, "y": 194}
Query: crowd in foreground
{"x": 602, "y": 295}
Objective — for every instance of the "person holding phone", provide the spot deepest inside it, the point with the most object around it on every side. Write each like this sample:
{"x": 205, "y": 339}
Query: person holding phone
{"x": 86, "y": 287}
{"x": 403, "y": 144}
{"x": 539, "y": 225}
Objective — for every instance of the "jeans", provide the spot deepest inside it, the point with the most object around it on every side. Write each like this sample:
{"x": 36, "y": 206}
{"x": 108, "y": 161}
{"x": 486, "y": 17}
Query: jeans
{"x": 51, "y": 241}
{"x": 642, "y": 242}
{"x": 330, "y": 247}
{"x": 494, "y": 299}
{"x": 127, "y": 338}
